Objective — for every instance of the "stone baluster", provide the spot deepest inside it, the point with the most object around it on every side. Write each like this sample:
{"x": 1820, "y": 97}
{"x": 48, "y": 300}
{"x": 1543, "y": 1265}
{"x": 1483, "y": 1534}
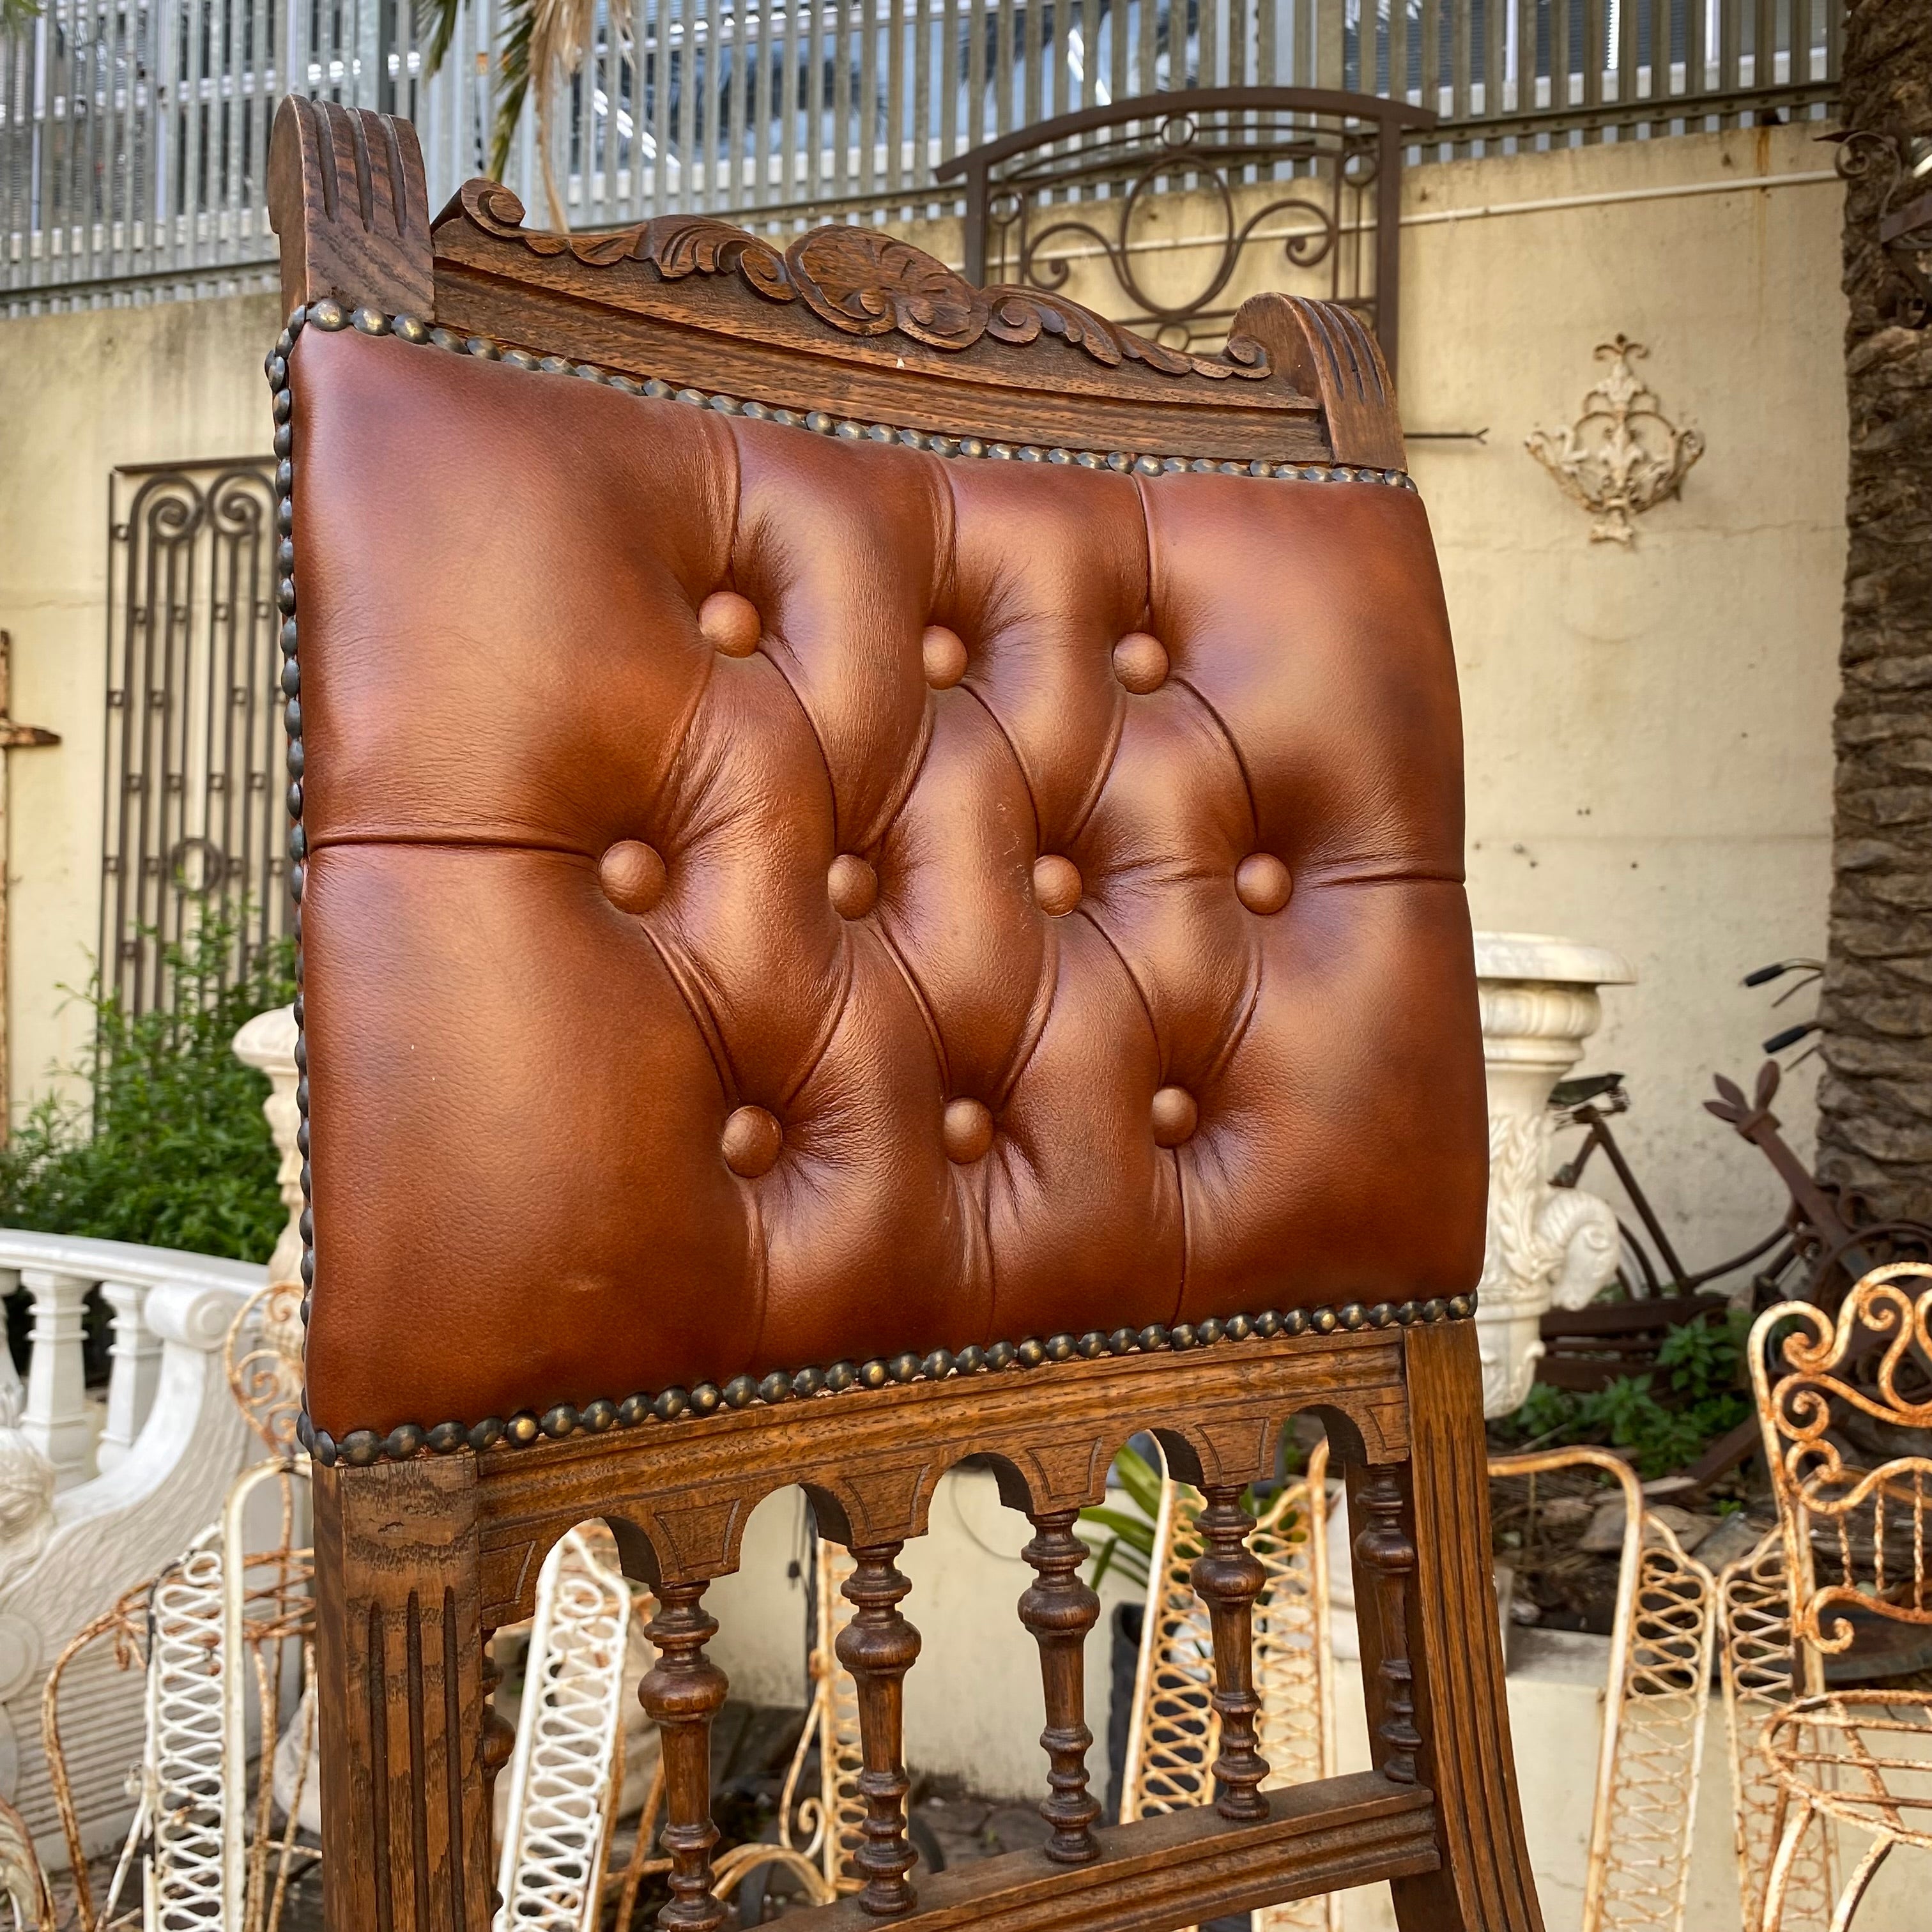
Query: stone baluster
{"x": 56, "y": 1421}
{"x": 136, "y": 1369}
{"x": 267, "y": 1042}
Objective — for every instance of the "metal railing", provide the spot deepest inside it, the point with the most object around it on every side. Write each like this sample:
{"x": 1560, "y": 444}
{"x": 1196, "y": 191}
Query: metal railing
{"x": 133, "y": 133}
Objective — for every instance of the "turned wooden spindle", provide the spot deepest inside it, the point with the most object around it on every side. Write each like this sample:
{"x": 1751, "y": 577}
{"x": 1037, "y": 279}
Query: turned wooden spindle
{"x": 1228, "y": 1576}
{"x": 878, "y": 1647}
{"x": 1059, "y": 1609}
{"x": 682, "y": 1693}
{"x": 1384, "y": 1546}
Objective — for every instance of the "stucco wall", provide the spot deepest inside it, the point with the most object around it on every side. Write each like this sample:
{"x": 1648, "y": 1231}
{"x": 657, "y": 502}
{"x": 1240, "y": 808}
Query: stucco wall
{"x": 1648, "y": 729}
{"x": 79, "y": 394}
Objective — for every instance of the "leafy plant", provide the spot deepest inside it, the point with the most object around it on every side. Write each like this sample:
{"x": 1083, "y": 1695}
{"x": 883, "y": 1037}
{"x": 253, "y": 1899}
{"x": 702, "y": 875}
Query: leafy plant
{"x": 1129, "y": 1544}
{"x": 170, "y": 1148}
{"x": 1665, "y": 1423}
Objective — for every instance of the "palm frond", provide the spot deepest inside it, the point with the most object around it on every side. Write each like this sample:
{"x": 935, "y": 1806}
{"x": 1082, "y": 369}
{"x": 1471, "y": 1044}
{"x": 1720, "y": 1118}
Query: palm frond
{"x": 436, "y": 22}
{"x": 513, "y": 82}
{"x": 542, "y": 41}
{"x": 1116, "y": 1555}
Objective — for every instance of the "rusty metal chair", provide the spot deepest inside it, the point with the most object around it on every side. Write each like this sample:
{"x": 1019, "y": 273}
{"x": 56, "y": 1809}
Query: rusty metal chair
{"x": 1841, "y": 1422}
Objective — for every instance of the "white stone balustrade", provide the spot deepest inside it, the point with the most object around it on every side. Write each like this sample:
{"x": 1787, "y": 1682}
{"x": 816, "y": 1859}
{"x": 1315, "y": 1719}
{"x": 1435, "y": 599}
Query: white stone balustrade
{"x": 267, "y": 1042}
{"x": 135, "y": 1373}
{"x": 1547, "y": 1246}
{"x": 58, "y": 1419}
{"x": 82, "y": 1520}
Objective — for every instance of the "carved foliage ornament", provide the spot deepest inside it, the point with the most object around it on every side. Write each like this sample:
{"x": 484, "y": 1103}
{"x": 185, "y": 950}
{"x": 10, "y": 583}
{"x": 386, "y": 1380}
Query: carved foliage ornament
{"x": 861, "y": 283}
{"x": 1622, "y": 455}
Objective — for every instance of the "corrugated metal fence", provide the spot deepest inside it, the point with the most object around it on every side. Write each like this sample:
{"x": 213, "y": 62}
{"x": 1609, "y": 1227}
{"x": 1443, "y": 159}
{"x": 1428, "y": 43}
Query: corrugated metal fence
{"x": 133, "y": 133}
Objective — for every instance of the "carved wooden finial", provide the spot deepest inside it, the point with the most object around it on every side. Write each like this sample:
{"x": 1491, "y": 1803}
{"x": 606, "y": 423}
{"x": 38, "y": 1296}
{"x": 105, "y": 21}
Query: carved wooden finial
{"x": 349, "y": 198}
{"x": 1325, "y": 348}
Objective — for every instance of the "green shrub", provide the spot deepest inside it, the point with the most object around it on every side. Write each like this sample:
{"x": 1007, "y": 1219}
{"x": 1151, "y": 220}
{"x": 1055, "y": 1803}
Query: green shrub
{"x": 1699, "y": 1363}
{"x": 173, "y": 1150}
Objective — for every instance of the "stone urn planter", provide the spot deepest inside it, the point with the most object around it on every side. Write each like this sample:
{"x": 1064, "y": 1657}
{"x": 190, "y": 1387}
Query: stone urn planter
{"x": 1547, "y": 1246}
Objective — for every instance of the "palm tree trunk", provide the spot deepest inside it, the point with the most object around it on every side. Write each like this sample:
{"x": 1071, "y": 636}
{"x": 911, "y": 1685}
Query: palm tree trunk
{"x": 1875, "y": 1125}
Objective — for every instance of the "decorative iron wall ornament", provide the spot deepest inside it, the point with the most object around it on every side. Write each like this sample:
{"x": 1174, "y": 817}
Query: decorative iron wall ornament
{"x": 1622, "y": 455}
{"x": 192, "y": 817}
{"x": 1327, "y": 167}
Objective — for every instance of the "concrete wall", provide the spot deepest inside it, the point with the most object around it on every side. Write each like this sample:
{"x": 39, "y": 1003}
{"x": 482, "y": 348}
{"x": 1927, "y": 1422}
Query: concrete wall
{"x": 1648, "y": 730}
{"x": 79, "y": 394}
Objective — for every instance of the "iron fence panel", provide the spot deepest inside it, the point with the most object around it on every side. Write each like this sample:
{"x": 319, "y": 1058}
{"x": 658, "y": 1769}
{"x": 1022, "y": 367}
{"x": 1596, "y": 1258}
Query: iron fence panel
{"x": 134, "y": 134}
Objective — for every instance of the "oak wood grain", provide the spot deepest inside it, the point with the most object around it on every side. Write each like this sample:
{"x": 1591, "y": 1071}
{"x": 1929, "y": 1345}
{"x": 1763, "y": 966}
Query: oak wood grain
{"x": 406, "y": 1837}
{"x": 1059, "y": 1608}
{"x": 678, "y": 1494}
{"x": 1183, "y": 1866}
{"x": 1484, "y": 1882}
{"x": 349, "y": 205}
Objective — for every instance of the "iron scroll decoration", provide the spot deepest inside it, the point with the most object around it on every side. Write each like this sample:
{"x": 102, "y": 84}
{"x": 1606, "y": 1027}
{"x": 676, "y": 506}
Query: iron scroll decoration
{"x": 1050, "y": 193}
{"x": 192, "y": 801}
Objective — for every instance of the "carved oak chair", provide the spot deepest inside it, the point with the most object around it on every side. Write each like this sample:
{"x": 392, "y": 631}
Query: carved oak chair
{"x": 879, "y": 877}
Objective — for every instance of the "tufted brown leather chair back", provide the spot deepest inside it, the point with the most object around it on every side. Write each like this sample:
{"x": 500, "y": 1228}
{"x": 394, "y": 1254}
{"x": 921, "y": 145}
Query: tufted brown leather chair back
{"x": 773, "y": 899}
{"x": 879, "y": 868}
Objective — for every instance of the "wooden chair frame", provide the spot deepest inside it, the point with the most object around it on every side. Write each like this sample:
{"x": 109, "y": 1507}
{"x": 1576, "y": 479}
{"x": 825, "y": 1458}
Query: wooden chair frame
{"x": 429, "y": 1539}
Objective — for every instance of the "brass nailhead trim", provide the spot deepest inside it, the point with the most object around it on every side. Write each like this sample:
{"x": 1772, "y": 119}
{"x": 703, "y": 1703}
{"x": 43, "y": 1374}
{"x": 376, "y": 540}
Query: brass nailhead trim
{"x": 331, "y": 315}
{"x": 363, "y": 1447}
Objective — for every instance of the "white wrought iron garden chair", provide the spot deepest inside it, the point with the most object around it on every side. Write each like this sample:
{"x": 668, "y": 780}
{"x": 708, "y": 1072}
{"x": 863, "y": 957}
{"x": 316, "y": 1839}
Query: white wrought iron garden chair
{"x": 1654, "y": 1704}
{"x": 1656, "y": 1695}
{"x": 1763, "y": 1674}
{"x": 1174, "y": 1735}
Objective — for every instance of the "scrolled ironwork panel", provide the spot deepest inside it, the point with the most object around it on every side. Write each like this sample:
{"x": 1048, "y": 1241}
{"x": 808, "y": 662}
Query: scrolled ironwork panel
{"x": 194, "y": 819}
{"x": 1306, "y": 181}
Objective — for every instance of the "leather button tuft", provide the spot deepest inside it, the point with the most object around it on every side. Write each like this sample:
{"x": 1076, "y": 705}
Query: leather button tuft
{"x": 1175, "y": 1116}
{"x": 944, "y": 656}
{"x": 752, "y": 1139}
{"x": 854, "y": 885}
{"x": 1140, "y": 661}
{"x": 632, "y": 875}
{"x": 968, "y": 1132}
{"x": 731, "y": 624}
{"x": 1056, "y": 884}
{"x": 1262, "y": 883}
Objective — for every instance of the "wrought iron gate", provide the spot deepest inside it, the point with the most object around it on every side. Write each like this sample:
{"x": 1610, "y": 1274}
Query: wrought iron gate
{"x": 192, "y": 818}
